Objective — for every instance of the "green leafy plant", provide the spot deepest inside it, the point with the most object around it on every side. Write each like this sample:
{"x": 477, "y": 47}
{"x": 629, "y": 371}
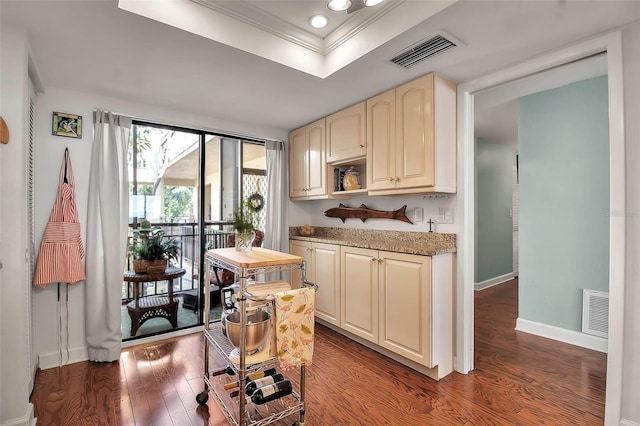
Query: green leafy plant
{"x": 242, "y": 219}
{"x": 150, "y": 244}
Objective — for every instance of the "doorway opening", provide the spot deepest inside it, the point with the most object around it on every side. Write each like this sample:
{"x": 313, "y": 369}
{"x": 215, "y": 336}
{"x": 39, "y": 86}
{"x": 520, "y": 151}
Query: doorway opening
{"x": 611, "y": 44}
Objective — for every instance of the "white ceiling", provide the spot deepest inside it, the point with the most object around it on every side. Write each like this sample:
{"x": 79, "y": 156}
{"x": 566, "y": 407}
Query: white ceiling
{"x": 94, "y": 46}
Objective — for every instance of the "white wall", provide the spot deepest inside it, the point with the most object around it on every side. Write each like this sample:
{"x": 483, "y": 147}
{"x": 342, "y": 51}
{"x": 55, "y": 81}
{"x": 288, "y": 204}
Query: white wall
{"x": 312, "y": 212}
{"x": 49, "y": 153}
{"x": 631, "y": 369}
{"x": 15, "y": 348}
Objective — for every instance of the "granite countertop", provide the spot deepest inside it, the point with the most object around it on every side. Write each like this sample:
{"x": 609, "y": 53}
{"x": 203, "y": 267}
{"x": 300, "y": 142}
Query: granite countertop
{"x": 422, "y": 243}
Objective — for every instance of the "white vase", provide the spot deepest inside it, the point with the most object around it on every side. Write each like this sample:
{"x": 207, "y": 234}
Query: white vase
{"x": 244, "y": 240}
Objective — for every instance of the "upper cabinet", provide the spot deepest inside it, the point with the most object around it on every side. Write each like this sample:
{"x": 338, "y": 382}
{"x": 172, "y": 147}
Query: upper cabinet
{"x": 346, "y": 133}
{"x": 381, "y": 134}
{"x": 402, "y": 141}
{"x": 307, "y": 165}
{"x": 411, "y": 135}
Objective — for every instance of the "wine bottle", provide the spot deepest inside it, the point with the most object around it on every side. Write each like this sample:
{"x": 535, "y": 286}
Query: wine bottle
{"x": 261, "y": 382}
{"x": 227, "y": 370}
{"x": 271, "y": 392}
{"x": 250, "y": 377}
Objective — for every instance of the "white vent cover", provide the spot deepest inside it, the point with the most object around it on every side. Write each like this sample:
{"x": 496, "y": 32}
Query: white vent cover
{"x": 595, "y": 313}
{"x": 422, "y": 51}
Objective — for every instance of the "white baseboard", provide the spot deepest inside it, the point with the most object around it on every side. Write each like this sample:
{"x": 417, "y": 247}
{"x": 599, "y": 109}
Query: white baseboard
{"x": 26, "y": 420}
{"x": 625, "y": 422}
{"x": 52, "y": 359}
{"x": 494, "y": 281}
{"x": 563, "y": 335}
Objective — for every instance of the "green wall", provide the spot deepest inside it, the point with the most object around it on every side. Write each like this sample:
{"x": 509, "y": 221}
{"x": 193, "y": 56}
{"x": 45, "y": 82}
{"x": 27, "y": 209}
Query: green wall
{"x": 494, "y": 224}
{"x": 564, "y": 201}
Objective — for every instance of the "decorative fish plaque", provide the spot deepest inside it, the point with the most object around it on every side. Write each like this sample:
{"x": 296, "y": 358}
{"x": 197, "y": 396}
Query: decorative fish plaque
{"x": 363, "y": 213}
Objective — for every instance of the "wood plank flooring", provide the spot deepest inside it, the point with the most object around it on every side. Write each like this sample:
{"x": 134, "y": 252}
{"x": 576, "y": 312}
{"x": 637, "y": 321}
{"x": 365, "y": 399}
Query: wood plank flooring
{"x": 519, "y": 379}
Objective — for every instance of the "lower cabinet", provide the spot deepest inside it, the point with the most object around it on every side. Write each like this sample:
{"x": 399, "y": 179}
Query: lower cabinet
{"x": 401, "y": 303}
{"x": 323, "y": 268}
{"x": 387, "y": 300}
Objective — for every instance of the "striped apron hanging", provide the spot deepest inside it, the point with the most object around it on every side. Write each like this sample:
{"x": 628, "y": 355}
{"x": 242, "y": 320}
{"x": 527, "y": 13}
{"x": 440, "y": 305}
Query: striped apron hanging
{"x": 61, "y": 250}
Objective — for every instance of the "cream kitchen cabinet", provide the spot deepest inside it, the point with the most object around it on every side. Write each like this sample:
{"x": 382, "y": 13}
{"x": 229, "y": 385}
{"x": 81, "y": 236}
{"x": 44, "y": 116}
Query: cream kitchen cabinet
{"x": 402, "y": 303}
{"x": 307, "y": 165}
{"x": 359, "y": 279}
{"x": 346, "y": 134}
{"x": 323, "y": 269}
{"x": 411, "y": 138}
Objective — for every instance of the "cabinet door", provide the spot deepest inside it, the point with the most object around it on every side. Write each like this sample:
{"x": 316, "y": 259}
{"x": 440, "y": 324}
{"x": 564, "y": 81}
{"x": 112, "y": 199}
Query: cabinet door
{"x": 359, "y": 281}
{"x": 297, "y": 163}
{"x": 346, "y": 131}
{"x": 302, "y": 249}
{"x": 381, "y": 135}
{"x": 414, "y": 133}
{"x": 405, "y": 305}
{"x": 316, "y": 168}
{"x": 326, "y": 274}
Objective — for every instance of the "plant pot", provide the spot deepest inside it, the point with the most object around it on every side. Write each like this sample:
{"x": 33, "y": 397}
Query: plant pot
{"x": 244, "y": 240}
{"x": 156, "y": 266}
{"x": 140, "y": 266}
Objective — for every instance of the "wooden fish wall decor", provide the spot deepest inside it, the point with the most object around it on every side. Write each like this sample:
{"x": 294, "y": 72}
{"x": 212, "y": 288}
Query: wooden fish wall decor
{"x": 363, "y": 213}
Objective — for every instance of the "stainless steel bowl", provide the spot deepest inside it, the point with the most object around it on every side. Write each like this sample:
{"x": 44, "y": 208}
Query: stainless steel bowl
{"x": 257, "y": 333}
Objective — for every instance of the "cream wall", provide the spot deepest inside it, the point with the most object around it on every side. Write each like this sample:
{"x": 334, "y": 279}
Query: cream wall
{"x": 631, "y": 361}
{"x": 16, "y": 354}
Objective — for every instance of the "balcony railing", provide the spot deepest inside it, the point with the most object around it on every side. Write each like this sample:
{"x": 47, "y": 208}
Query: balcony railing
{"x": 187, "y": 234}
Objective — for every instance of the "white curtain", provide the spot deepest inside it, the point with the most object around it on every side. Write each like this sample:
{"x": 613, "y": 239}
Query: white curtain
{"x": 107, "y": 226}
{"x": 277, "y": 233}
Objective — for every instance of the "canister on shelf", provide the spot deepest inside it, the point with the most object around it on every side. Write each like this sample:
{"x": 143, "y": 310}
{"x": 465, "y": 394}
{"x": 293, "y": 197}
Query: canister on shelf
{"x": 351, "y": 180}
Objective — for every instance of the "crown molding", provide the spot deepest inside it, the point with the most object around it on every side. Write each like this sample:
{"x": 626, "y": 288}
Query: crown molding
{"x": 261, "y": 19}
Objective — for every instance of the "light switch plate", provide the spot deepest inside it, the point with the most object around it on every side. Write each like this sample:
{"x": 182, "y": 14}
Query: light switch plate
{"x": 445, "y": 215}
{"x": 418, "y": 214}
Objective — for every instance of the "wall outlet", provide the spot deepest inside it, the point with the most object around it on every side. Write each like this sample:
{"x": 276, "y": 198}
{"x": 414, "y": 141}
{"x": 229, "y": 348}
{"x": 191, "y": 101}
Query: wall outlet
{"x": 445, "y": 215}
{"x": 418, "y": 214}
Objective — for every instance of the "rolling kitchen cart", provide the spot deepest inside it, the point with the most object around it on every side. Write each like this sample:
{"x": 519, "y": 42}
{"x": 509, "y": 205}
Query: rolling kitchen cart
{"x": 247, "y": 264}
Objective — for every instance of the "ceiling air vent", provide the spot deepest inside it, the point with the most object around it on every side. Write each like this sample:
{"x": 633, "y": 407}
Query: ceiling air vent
{"x": 422, "y": 51}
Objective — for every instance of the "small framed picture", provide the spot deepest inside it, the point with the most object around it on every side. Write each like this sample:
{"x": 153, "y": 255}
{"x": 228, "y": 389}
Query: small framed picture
{"x": 69, "y": 125}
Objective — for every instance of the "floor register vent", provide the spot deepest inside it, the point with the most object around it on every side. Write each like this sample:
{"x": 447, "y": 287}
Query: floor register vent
{"x": 422, "y": 51}
{"x": 595, "y": 313}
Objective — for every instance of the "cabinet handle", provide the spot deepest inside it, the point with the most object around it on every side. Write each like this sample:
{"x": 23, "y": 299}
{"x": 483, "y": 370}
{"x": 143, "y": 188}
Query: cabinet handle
{"x": 373, "y": 259}
{"x": 397, "y": 179}
{"x": 380, "y": 260}
{"x": 361, "y": 146}
{"x": 390, "y": 179}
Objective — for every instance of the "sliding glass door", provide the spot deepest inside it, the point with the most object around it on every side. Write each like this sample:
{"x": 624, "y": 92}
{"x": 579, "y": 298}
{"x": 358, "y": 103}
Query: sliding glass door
{"x": 188, "y": 183}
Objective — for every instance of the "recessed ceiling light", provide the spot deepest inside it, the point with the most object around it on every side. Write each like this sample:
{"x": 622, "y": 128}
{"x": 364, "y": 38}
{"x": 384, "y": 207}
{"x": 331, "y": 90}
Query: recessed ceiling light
{"x": 372, "y": 2}
{"x": 318, "y": 21}
{"x": 339, "y": 5}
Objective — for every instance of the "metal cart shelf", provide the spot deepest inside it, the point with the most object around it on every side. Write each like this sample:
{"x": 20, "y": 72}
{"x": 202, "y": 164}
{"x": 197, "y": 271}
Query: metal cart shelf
{"x": 253, "y": 263}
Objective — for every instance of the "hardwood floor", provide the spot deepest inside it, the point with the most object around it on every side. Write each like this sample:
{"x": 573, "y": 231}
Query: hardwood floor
{"x": 519, "y": 379}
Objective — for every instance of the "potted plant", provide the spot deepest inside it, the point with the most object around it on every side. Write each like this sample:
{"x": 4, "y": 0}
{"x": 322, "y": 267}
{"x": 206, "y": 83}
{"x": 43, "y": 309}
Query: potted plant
{"x": 151, "y": 250}
{"x": 242, "y": 222}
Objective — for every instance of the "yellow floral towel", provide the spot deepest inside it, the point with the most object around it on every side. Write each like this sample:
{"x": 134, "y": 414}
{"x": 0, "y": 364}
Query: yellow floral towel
{"x": 294, "y": 326}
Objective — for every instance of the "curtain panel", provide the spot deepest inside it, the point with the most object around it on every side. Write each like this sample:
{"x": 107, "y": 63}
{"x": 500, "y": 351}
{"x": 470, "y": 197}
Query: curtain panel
{"x": 277, "y": 215}
{"x": 107, "y": 227}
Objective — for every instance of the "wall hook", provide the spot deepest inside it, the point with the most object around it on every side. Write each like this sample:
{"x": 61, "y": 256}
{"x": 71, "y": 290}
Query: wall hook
{"x": 4, "y": 131}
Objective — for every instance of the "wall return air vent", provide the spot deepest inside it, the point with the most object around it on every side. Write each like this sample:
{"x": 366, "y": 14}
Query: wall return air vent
{"x": 595, "y": 313}
{"x": 422, "y": 51}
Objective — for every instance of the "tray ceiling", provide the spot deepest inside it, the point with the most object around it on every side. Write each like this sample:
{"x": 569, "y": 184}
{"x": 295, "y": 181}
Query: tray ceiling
{"x": 279, "y": 30}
